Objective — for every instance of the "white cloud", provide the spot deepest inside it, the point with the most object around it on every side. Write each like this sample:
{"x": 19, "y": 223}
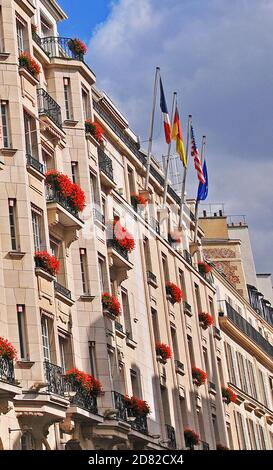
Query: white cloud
{"x": 216, "y": 54}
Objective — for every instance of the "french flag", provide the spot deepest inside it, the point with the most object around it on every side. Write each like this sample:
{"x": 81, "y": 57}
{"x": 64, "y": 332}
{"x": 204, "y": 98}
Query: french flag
{"x": 164, "y": 109}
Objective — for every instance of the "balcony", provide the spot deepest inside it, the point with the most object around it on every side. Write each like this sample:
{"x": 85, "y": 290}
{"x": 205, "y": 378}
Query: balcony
{"x": 212, "y": 388}
{"x": 217, "y": 333}
{"x": 62, "y": 293}
{"x": 98, "y": 216}
{"x": 118, "y": 261}
{"x": 155, "y": 225}
{"x": 243, "y": 330}
{"x": 7, "y": 371}
{"x": 138, "y": 423}
{"x": 187, "y": 256}
{"x": 171, "y": 436}
{"x": 54, "y": 378}
{"x": 35, "y": 167}
{"x": 81, "y": 398}
{"x": 57, "y": 47}
{"x": 106, "y": 170}
{"x": 187, "y": 308}
{"x": 151, "y": 279}
{"x": 179, "y": 367}
{"x": 49, "y": 108}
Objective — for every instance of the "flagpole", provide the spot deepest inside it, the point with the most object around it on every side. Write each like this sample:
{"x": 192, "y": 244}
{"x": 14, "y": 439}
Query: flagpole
{"x": 169, "y": 152}
{"x": 197, "y": 202}
{"x": 183, "y": 188}
{"x": 151, "y": 129}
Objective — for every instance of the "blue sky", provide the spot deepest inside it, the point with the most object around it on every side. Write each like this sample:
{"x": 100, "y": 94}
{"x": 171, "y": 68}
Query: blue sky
{"x": 216, "y": 55}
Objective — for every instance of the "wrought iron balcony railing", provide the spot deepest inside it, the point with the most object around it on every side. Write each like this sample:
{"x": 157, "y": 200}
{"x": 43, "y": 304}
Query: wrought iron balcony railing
{"x": 187, "y": 306}
{"x": 249, "y": 330}
{"x": 216, "y": 332}
{"x": 115, "y": 245}
{"x": 171, "y": 436}
{"x": 62, "y": 290}
{"x": 155, "y": 225}
{"x": 98, "y": 216}
{"x": 54, "y": 378}
{"x": 105, "y": 164}
{"x": 119, "y": 327}
{"x": 187, "y": 256}
{"x": 151, "y": 277}
{"x": 139, "y": 423}
{"x": 35, "y": 164}
{"x": 54, "y": 196}
{"x": 83, "y": 399}
{"x": 58, "y": 47}
{"x": 179, "y": 365}
{"x": 48, "y": 106}
{"x": 7, "y": 370}
{"x": 204, "y": 445}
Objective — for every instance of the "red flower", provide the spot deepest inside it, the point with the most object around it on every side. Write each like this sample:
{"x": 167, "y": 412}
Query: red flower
{"x": 7, "y": 350}
{"x": 229, "y": 395}
{"x": 175, "y": 292}
{"x": 64, "y": 185}
{"x": 206, "y": 319}
{"x": 139, "y": 407}
{"x": 122, "y": 237}
{"x": 95, "y": 129}
{"x": 111, "y": 303}
{"x": 77, "y": 46}
{"x": 47, "y": 262}
{"x": 199, "y": 376}
{"x": 86, "y": 381}
{"x": 191, "y": 437}
{"x": 27, "y": 61}
{"x": 163, "y": 350}
{"x": 138, "y": 199}
{"x": 204, "y": 267}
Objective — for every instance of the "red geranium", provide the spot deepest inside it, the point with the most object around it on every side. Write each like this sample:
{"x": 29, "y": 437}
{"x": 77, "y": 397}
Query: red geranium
{"x": 138, "y": 199}
{"x": 86, "y": 381}
{"x": 77, "y": 46}
{"x": 27, "y": 61}
{"x": 124, "y": 238}
{"x": 111, "y": 303}
{"x": 47, "y": 262}
{"x": 204, "y": 267}
{"x": 229, "y": 395}
{"x": 7, "y": 350}
{"x": 199, "y": 376}
{"x": 139, "y": 407}
{"x": 191, "y": 437}
{"x": 175, "y": 292}
{"x": 65, "y": 186}
{"x": 206, "y": 319}
{"x": 163, "y": 350}
{"x": 95, "y": 129}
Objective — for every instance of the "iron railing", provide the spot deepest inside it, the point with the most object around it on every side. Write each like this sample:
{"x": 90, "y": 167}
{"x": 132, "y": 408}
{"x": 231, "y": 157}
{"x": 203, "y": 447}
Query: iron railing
{"x": 139, "y": 423}
{"x": 35, "y": 164}
{"x": 204, "y": 445}
{"x": 155, "y": 225}
{"x": 187, "y": 306}
{"x": 170, "y": 431}
{"x": 116, "y": 246}
{"x": 151, "y": 277}
{"x": 187, "y": 256}
{"x": 105, "y": 164}
{"x": 83, "y": 399}
{"x": 7, "y": 370}
{"x": 119, "y": 326}
{"x": 62, "y": 290}
{"x": 48, "y": 106}
{"x": 54, "y": 196}
{"x": 58, "y": 47}
{"x": 98, "y": 216}
{"x": 249, "y": 330}
{"x": 54, "y": 378}
{"x": 179, "y": 365}
{"x": 216, "y": 331}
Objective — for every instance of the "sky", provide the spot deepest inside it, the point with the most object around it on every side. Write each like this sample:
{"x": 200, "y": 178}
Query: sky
{"x": 217, "y": 55}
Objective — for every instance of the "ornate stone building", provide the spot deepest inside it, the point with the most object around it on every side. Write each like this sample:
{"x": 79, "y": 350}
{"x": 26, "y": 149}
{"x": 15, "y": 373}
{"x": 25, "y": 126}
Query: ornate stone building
{"x": 60, "y": 137}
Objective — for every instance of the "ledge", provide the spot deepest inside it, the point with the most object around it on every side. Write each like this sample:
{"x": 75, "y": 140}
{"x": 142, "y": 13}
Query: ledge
{"x": 41, "y": 272}
{"x": 8, "y": 152}
{"x": 70, "y": 122}
{"x": 16, "y": 254}
{"x": 63, "y": 298}
{"x": 87, "y": 297}
{"x": 92, "y": 139}
{"x": 25, "y": 364}
{"x": 23, "y": 72}
{"x": 161, "y": 360}
{"x": 40, "y": 176}
{"x": 131, "y": 343}
{"x": 4, "y": 55}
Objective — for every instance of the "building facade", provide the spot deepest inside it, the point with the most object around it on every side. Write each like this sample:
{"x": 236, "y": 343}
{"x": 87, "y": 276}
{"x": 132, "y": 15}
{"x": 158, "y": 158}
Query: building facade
{"x": 60, "y": 137}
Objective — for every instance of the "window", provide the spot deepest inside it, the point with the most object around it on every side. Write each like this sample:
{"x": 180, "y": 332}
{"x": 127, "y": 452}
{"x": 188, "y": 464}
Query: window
{"x": 155, "y": 325}
{"x": 126, "y": 313}
{"x": 92, "y": 357}
{"x": 198, "y": 298}
{"x": 68, "y": 99}
{"x": 27, "y": 441}
{"x": 5, "y": 124}
{"x": 84, "y": 271}
{"x": 191, "y": 351}
{"x": 147, "y": 254}
{"x": 135, "y": 383}
{"x": 65, "y": 350}
{"x": 74, "y": 172}
{"x": 20, "y": 28}
{"x": 46, "y": 28}
{"x": 45, "y": 337}
{"x": 131, "y": 181}
{"x": 30, "y": 135}
{"x": 94, "y": 190}
{"x": 36, "y": 227}
{"x": 2, "y": 44}
{"x": 251, "y": 434}
{"x": 21, "y": 321}
{"x": 165, "y": 268}
{"x": 86, "y": 105}
{"x": 102, "y": 274}
{"x": 13, "y": 224}
{"x": 175, "y": 344}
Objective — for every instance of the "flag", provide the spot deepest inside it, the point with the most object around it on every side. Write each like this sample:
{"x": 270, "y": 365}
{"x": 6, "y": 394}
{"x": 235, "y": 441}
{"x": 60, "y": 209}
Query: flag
{"x": 203, "y": 187}
{"x": 197, "y": 161}
{"x": 177, "y": 135}
{"x": 164, "y": 109}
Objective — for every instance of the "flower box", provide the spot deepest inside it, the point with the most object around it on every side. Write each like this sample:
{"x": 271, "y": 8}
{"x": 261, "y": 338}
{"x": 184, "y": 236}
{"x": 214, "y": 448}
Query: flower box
{"x": 7, "y": 350}
{"x": 199, "y": 376}
{"x": 203, "y": 267}
{"x": 95, "y": 129}
{"x": 163, "y": 352}
{"x": 63, "y": 186}
{"x": 174, "y": 293}
{"x": 122, "y": 237}
{"x": 205, "y": 320}
{"x": 136, "y": 406}
{"x": 228, "y": 395}
{"x": 28, "y": 62}
{"x": 47, "y": 262}
{"x": 191, "y": 438}
{"x": 83, "y": 381}
{"x": 138, "y": 201}
{"x": 111, "y": 304}
{"x": 77, "y": 47}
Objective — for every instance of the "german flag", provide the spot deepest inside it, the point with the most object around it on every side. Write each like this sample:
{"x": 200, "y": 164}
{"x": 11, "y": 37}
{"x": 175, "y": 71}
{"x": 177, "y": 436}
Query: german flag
{"x": 177, "y": 135}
